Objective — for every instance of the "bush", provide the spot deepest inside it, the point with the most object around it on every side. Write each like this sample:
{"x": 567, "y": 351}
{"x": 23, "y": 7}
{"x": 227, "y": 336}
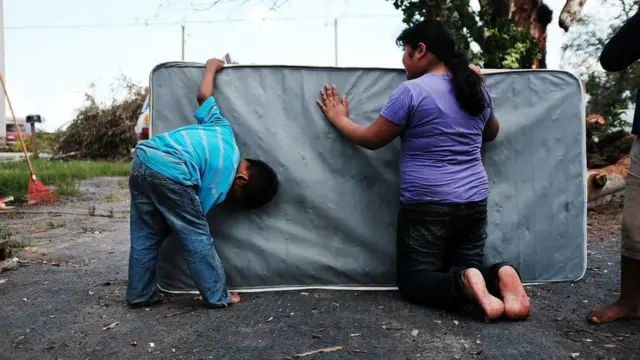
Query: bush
{"x": 47, "y": 143}
{"x": 105, "y": 131}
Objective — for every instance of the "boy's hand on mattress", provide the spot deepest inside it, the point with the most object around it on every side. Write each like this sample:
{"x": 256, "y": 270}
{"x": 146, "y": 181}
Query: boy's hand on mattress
{"x": 332, "y": 106}
{"x": 214, "y": 65}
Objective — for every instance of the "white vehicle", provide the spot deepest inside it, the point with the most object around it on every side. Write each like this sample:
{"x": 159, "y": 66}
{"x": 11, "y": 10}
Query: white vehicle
{"x": 142, "y": 126}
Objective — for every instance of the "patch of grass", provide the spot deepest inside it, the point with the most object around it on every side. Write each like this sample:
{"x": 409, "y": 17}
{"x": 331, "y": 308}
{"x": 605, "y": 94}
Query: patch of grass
{"x": 123, "y": 184}
{"x": 67, "y": 189}
{"x": 19, "y": 243}
{"x": 14, "y": 176}
{"x": 4, "y": 235}
{"x": 112, "y": 198}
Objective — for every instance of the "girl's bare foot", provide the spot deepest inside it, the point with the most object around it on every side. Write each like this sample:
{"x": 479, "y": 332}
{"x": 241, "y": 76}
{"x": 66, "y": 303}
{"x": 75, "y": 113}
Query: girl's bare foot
{"x": 615, "y": 311}
{"x": 235, "y": 298}
{"x": 516, "y": 301}
{"x": 476, "y": 287}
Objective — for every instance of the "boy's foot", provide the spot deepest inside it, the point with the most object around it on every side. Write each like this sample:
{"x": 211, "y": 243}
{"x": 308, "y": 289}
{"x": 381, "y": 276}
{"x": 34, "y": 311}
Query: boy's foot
{"x": 476, "y": 287}
{"x": 235, "y": 298}
{"x": 516, "y": 300}
{"x": 141, "y": 304}
{"x": 613, "y": 312}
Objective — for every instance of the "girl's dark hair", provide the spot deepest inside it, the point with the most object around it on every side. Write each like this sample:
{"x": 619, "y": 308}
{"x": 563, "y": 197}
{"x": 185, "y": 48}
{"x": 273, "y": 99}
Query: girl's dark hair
{"x": 467, "y": 85}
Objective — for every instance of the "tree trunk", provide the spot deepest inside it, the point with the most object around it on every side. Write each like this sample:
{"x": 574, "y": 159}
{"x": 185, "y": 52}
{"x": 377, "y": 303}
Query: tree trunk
{"x": 534, "y": 16}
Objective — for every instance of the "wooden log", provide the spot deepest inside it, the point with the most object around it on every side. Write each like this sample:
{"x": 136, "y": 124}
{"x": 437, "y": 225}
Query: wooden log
{"x": 608, "y": 180}
{"x": 595, "y": 120}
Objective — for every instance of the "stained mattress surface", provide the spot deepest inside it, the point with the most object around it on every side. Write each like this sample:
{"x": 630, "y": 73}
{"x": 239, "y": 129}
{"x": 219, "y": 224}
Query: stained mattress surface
{"x": 333, "y": 221}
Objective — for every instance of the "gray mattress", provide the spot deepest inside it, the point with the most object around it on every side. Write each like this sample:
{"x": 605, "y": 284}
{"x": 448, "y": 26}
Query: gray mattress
{"x": 332, "y": 225}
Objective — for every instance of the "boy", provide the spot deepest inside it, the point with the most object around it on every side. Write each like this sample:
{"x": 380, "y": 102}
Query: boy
{"x": 175, "y": 179}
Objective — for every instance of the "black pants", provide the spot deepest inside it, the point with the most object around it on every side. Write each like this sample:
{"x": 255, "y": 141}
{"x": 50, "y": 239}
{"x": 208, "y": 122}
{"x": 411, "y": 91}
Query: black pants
{"x": 436, "y": 243}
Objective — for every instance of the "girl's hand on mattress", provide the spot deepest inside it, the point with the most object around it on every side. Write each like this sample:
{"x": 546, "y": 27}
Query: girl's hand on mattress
{"x": 476, "y": 69}
{"x": 332, "y": 106}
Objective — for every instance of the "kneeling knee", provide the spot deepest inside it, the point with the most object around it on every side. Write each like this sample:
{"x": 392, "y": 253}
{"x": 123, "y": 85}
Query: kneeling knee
{"x": 408, "y": 292}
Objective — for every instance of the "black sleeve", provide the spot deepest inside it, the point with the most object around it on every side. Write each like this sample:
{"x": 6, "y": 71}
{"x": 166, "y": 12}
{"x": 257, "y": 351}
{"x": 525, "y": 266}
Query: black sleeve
{"x": 623, "y": 49}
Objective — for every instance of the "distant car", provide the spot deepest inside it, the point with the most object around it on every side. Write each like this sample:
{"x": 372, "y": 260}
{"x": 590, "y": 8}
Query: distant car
{"x": 12, "y": 134}
{"x": 142, "y": 126}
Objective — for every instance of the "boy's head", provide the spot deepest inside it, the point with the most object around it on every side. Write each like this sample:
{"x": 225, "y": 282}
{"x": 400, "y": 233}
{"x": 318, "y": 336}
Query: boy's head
{"x": 255, "y": 183}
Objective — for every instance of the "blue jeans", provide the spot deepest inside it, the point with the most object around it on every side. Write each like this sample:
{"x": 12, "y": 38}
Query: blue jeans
{"x": 160, "y": 205}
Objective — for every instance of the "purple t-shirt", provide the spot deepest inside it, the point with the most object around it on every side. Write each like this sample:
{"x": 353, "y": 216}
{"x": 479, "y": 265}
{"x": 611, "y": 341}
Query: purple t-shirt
{"x": 440, "y": 160}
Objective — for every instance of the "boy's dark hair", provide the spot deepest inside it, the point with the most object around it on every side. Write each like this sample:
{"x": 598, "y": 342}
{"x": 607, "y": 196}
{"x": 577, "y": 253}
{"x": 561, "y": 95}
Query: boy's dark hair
{"x": 439, "y": 41}
{"x": 262, "y": 185}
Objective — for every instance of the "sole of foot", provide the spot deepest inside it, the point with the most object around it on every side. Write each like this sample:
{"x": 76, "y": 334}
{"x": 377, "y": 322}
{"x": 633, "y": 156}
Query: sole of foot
{"x": 516, "y": 301}
{"x": 613, "y": 312}
{"x": 476, "y": 287}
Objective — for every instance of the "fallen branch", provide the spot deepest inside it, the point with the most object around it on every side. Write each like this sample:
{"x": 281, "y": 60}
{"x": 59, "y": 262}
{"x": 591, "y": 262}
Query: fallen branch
{"x": 608, "y": 180}
{"x": 319, "y": 351}
{"x": 179, "y": 313}
{"x": 23, "y": 212}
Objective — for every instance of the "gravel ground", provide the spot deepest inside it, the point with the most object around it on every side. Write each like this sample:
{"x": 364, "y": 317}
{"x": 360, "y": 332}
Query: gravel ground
{"x": 65, "y": 302}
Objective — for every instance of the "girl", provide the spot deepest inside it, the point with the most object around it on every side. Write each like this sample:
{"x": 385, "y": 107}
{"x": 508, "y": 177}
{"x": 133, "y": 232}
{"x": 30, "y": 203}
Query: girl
{"x": 442, "y": 114}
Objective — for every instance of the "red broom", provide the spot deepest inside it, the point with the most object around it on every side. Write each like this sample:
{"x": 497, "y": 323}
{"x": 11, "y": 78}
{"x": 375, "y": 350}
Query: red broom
{"x": 37, "y": 192}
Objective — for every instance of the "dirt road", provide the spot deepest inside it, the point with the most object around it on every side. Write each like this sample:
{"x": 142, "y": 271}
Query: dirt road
{"x": 66, "y": 302}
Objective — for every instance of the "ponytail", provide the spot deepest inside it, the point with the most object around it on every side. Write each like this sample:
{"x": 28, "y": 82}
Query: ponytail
{"x": 467, "y": 84}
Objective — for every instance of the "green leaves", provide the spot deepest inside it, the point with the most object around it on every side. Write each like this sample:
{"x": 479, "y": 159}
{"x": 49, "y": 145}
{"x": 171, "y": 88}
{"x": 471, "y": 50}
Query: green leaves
{"x": 610, "y": 94}
{"x": 502, "y": 43}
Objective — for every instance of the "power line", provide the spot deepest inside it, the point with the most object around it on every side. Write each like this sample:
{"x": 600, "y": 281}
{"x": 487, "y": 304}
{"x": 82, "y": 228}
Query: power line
{"x": 176, "y": 23}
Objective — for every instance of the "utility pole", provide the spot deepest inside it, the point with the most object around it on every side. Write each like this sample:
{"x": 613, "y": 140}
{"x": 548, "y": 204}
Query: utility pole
{"x": 3, "y": 126}
{"x": 335, "y": 40}
{"x": 182, "y": 28}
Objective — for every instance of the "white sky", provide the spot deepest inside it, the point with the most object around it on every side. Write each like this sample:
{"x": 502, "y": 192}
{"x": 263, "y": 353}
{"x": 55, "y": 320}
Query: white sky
{"x": 50, "y": 62}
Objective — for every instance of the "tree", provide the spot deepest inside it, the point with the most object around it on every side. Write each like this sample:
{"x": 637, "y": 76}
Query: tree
{"x": 510, "y": 34}
{"x": 610, "y": 94}
{"x": 506, "y": 39}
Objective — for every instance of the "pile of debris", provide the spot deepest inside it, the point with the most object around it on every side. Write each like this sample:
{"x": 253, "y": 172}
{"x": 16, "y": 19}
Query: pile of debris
{"x": 104, "y": 131}
{"x": 7, "y": 261}
{"x": 607, "y": 159}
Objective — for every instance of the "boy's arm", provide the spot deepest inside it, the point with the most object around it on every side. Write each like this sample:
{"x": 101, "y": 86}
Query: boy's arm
{"x": 208, "y": 112}
{"x": 206, "y": 84}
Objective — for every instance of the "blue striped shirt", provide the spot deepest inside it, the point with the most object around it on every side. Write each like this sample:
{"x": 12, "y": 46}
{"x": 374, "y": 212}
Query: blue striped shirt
{"x": 204, "y": 155}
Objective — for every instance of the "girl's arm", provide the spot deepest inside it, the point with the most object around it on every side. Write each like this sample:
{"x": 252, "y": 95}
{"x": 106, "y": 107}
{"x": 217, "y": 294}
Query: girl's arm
{"x": 491, "y": 129}
{"x": 371, "y": 137}
{"x": 381, "y": 132}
